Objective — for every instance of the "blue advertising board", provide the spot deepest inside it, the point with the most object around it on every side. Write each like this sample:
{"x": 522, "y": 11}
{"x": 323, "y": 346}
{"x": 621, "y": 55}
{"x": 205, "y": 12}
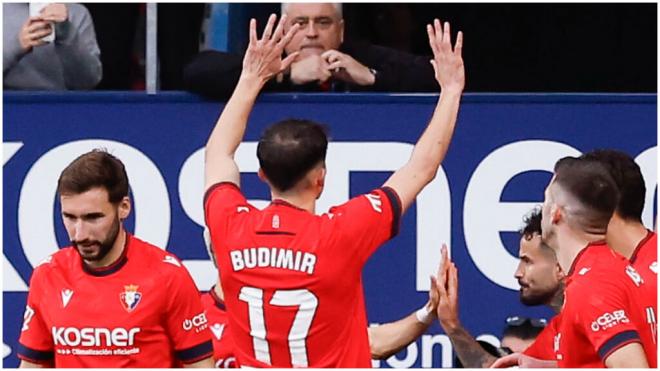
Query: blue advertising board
{"x": 496, "y": 169}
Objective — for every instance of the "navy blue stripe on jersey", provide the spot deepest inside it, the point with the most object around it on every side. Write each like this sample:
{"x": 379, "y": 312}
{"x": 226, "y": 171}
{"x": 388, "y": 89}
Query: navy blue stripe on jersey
{"x": 396, "y": 209}
{"x": 275, "y": 232}
{"x": 212, "y": 188}
{"x": 641, "y": 243}
{"x": 218, "y": 302}
{"x": 196, "y": 353}
{"x": 617, "y": 341}
{"x": 33, "y": 355}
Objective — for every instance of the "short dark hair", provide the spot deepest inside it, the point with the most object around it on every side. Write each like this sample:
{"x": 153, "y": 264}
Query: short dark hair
{"x": 525, "y": 328}
{"x": 532, "y": 224}
{"x": 97, "y": 168}
{"x": 628, "y": 178}
{"x": 590, "y": 183}
{"x": 289, "y": 149}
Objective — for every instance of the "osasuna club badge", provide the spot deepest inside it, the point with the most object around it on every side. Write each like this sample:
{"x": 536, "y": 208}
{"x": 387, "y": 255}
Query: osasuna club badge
{"x": 130, "y": 298}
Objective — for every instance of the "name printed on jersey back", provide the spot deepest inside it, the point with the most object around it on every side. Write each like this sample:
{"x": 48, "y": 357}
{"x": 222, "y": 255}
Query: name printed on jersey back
{"x": 274, "y": 257}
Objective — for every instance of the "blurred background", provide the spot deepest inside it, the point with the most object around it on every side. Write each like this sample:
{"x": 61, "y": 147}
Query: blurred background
{"x": 510, "y": 47}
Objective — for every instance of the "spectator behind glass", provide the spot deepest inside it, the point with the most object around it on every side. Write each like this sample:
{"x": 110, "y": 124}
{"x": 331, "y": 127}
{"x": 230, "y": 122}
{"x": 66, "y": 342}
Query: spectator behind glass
{"x": 70, "y": 62}
{"x": 326, "y": 61}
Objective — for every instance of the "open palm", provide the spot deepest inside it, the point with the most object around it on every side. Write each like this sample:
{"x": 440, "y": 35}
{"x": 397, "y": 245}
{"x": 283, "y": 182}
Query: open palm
{"x": 263, "y": 58}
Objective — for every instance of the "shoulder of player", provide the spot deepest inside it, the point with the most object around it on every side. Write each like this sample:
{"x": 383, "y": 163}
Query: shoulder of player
{"x": 155, "y": 257}
{"x": 63, "y": 258}
{"x": 371, "y": 201}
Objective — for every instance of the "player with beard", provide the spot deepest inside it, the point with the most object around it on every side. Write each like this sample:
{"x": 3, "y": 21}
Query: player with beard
{"x": 109, "y": 300}
{"x": 626, "y": 235}
{"x": 541, "y": 283}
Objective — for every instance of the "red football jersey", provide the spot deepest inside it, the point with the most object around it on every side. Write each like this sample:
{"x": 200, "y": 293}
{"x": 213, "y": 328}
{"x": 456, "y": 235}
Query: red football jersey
{"x": 223, "y": 347}
{"x": 292, "y": 279}
{"x": 544, "y": 344}
{"x": 645, "y": 261}
{"x": 601, "y": 311}
{"x": 142, "y": 311}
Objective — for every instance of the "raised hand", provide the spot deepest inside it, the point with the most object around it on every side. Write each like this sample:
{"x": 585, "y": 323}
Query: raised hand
{"x": 447, "y": 285}
{"x": 447, "y": 63}
{"x": 263, "y": 58}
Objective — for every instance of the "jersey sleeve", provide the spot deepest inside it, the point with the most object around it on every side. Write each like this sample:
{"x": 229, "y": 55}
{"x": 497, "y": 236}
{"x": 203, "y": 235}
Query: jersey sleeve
{"x": 605, "y": 318}
{"x": 221, "y": 202}
{"x": 186, "y": 321}
{"x": 367, "y": 221}
{"x": 35, "y": 342}
{"x": 543, "y": 345}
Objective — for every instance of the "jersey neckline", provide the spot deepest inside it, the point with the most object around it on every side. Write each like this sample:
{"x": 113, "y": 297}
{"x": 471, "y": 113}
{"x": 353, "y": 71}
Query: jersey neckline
{"x": 112, "y": 268}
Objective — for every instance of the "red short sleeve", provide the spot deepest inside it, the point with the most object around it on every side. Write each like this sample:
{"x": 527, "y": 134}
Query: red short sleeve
{"x": 187, "y": 325}
{"x": 35, "y": 342}
{"x": 605, "y": 318}
{"x": 367, "y": 221}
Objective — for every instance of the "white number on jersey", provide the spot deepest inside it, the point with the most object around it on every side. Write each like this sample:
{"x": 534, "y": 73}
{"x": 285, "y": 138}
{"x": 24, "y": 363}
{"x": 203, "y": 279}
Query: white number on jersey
{"x": 306, "y": 302}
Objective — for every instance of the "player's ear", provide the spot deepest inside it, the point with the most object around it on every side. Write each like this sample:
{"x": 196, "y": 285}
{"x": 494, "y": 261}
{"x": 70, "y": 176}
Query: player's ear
{"x": 262, "y": 176}
{"x": 556, "y": 214}
{"x": 124, "y": 208}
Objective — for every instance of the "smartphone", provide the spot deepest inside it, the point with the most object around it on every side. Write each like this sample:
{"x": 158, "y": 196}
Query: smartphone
{"x": 35, "y": 10}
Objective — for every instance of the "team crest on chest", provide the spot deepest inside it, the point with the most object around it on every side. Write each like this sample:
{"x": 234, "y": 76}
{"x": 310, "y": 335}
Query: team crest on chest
{"x": 130, "y": 298}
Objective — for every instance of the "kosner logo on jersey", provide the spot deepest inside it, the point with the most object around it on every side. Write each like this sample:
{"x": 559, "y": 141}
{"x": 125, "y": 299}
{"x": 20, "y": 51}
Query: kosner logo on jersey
{"x": 94, "y": 336}
{"x": 433, "y": 217}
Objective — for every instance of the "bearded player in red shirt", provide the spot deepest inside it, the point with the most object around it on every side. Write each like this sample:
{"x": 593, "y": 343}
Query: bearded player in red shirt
{"x": 602, "y": 324}
{"x": 626, "y": 235}
{"x": 292, "y": 279}
{"x": 110, "y": 300}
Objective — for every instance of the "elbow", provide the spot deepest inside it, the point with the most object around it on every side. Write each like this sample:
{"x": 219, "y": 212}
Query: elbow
{"x": 378, "y": 346}
{"x": 379, "y": 353}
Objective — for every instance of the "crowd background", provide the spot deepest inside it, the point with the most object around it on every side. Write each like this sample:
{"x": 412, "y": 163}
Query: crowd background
{"x": 550, "y": 47}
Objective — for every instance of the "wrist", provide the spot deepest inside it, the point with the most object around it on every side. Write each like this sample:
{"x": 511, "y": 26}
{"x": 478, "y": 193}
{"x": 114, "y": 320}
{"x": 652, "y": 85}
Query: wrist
{"x": 450, "y": 325}
{"x": 249, "y": 81}
{"x": 425, "y": 315}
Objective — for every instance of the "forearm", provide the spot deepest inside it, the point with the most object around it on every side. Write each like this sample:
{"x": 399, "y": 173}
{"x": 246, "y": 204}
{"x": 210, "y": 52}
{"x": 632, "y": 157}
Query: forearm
{"x": 388, "y": 339}
{"x": 230, "y": 127}
{"x": 471, "y": 354}
{"x": 432, "y": 146}
{"x": 429, "y": 151}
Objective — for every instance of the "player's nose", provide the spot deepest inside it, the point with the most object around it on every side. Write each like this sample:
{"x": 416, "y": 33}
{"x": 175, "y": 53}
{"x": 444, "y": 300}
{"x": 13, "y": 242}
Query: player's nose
{"x": 80, "y": 231}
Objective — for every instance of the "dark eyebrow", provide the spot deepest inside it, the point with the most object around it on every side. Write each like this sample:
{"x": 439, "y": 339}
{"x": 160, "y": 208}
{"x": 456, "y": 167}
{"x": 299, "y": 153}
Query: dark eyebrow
{"x": 93, "y": 215}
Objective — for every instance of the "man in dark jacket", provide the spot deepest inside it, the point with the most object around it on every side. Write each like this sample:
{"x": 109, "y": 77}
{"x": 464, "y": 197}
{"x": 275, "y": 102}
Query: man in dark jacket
{"x": 324, "y": 62}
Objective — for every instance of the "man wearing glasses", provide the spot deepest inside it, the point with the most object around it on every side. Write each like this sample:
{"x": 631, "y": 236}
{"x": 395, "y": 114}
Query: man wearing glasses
{"x": 326, "y": 62}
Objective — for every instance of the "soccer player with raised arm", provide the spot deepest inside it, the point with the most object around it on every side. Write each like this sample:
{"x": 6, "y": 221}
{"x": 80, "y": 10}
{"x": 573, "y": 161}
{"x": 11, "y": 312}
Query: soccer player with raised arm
{"x": 291, "y": 278}
{"x": 110, "y": 300}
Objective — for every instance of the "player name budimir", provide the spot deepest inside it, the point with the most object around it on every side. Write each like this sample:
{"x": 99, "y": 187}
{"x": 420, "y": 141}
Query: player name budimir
{"x": 275, "y": 257}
